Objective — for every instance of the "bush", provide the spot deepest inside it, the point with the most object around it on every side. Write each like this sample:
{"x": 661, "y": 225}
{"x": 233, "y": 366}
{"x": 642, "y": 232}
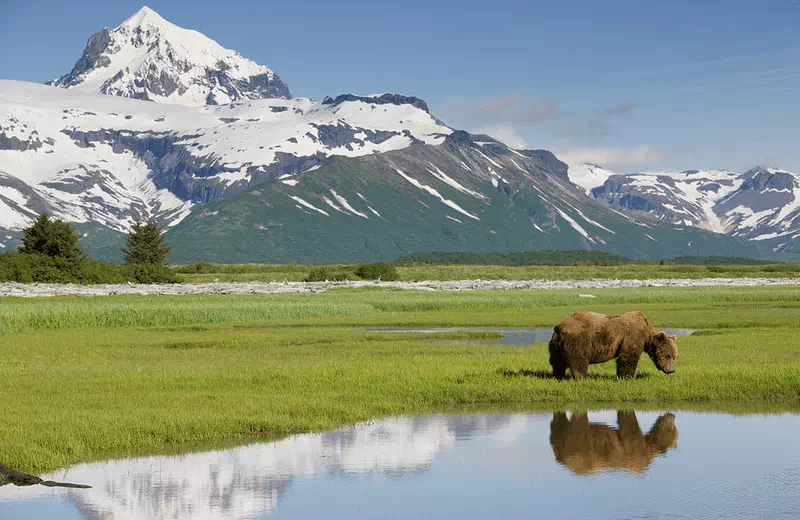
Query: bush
{"x": 199, "y": 268}
{"x": 320, "y": 274}
{"x": 101, "y": 272}
{"x": 37, "y": 268}
{"x": 378, "y": 271}
{"x": 150, "y": 273}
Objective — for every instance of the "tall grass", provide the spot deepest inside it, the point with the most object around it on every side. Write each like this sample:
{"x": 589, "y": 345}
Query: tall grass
{"x": 691, "y": 307}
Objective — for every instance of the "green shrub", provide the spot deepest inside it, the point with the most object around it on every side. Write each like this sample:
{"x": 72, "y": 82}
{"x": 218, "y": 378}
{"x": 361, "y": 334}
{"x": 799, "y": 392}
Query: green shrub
{"x": 38, "y": 268}
{"x": 198, "y": 268}
{"x": 378, "y": 271}
{"x": 320, "y": 274}
{"x": 101, "y": 272}
{"x": 150, "y": 273}
{"x": 781, "y": 268}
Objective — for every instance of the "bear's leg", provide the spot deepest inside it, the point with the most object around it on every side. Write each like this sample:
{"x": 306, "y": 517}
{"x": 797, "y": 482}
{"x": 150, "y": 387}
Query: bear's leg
{"x": 559, "y": 364}
{"x": 579, "y": 368}
{"x": 626, "y": 366}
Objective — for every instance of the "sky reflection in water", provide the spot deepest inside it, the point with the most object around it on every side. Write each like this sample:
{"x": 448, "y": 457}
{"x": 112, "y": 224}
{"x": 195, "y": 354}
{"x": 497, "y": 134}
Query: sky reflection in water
{"x": 600, "y": 465}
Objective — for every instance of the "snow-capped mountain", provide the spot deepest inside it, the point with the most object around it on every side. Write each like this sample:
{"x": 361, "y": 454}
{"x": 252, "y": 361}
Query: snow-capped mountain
{"x": 469, "y": 193}
{"x": 110, "y": 160}
{"x": 240, "y": 171}
{"x": 759, "y": 204}
{"x": 152, "y": 59}
{"x": 765, "y": 206}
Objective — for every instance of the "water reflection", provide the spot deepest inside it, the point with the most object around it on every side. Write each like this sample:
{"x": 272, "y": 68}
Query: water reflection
{"x": 509, "y": 337}
{"x": 586, "y": 447}
{"x": 455, "y": 466}
{"x": 250, "y": 480}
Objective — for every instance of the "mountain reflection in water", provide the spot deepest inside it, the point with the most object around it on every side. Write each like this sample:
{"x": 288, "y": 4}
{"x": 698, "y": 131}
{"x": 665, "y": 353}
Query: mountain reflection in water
{"x": 548, "y": 465}
{"x": 243, "y": 482}
{"x": 586, "y": 447}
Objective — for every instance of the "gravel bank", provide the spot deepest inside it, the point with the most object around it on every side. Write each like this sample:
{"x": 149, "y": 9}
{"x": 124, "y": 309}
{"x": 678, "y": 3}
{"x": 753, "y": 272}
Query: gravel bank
{"x": 41, "y": 290}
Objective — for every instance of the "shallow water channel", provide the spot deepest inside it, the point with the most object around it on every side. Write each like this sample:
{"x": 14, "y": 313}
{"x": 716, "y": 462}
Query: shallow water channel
{"x": 511, "y": 337}
{"x": 600, "y": 465}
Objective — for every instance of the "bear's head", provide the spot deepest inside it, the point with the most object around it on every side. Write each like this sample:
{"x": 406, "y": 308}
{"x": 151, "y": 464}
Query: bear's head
{"x": 663, "y": 350}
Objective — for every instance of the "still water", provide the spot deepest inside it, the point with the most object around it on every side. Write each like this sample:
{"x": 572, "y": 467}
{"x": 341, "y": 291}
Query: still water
{"x": 510, "y": 337}
{"x": 600, "y": 465}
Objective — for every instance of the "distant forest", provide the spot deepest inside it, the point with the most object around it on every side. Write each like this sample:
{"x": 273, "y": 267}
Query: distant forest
{"x": 563, "y": 258}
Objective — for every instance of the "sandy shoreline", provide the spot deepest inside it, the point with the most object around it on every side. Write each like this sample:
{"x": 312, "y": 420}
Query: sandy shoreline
{"x": 46, "y": 290}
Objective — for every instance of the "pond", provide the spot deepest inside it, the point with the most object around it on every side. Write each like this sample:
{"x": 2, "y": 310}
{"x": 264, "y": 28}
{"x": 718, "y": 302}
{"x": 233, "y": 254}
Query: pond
{"x": 599, "y": 465}
{"x": 510, "y": 337}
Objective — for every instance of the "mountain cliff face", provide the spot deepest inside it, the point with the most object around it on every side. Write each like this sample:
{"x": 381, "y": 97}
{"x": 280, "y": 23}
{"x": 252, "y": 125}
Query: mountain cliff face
{"x": 159, "y": 123}
{"x": 149, "y": 58}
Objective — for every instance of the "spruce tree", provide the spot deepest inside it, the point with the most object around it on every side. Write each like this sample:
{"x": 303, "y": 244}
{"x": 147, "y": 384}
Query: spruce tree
{"x": 52, "y": 237}
{"x": 146, "y": 245}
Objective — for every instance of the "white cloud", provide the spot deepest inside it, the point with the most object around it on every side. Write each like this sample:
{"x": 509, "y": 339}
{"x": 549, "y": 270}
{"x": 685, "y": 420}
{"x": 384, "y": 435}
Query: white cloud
{"x": 516, "y": 108}
{"x": 643, "y": 154}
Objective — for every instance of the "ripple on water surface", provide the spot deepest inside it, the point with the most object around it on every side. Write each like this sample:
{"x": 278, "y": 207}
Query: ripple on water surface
{"x": 599, "y": 465}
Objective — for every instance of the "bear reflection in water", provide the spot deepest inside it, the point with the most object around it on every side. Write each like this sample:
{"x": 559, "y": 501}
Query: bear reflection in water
{"x": 587, "y": 448}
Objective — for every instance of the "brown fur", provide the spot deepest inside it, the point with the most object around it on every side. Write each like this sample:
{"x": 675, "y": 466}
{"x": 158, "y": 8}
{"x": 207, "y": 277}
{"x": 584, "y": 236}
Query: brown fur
{"x": 587, "y": 338}
{"x": 586, "y": 448}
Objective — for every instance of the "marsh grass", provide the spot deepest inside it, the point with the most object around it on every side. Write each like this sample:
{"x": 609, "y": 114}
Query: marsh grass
{"x": 91, "y": 378}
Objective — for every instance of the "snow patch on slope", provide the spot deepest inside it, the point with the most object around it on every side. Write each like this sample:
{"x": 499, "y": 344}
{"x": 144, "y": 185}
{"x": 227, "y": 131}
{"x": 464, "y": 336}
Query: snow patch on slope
{"x": 436, "y": 194}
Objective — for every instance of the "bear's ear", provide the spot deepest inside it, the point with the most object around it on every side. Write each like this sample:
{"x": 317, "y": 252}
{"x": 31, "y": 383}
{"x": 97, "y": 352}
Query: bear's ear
{"x": 661, "y": 336}
{"x": 673, "y": 338}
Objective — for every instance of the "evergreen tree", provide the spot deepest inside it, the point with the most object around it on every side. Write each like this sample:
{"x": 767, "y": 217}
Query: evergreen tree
{"x": 146, "y": 245}
{"x": 52, "y": 237}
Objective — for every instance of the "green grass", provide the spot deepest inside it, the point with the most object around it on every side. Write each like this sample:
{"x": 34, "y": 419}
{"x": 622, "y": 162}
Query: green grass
{"x": 89, "y": 378}
{"x": 209, "y": 272}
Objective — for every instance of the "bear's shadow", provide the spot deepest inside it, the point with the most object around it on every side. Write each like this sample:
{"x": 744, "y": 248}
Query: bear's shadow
{"x": 546, "y": 374}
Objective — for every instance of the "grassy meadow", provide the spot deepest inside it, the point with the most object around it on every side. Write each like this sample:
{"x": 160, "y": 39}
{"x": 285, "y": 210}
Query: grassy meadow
{"x": 90, "y": 378}
{"x": 208, "y": 272}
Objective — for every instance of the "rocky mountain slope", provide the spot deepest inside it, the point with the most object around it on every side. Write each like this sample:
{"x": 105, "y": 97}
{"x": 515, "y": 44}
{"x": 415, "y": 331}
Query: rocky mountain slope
{"x": 470, "y": 193}
{"x": 149, "y": 58}
{"x": 761, "y": 204}
{"x": 157, "y": 122}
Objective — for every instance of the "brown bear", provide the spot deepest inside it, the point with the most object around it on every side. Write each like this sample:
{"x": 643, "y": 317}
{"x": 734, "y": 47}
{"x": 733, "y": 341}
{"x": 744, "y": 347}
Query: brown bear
{"x": 587, "y": 448}
{"x": 588, "y": 337}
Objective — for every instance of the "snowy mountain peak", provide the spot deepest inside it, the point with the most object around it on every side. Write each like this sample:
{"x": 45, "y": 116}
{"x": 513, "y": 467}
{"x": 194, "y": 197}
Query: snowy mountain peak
{"x": 145, "y": 15}
{"x": 150, "y": 58}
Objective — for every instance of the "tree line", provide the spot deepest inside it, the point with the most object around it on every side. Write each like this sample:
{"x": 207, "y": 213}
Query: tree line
{"x": 50, "y": 253}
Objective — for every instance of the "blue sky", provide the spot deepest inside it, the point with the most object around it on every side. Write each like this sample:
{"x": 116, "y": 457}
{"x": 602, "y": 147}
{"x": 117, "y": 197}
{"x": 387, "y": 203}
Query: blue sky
{"x": 629, "y": 84}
